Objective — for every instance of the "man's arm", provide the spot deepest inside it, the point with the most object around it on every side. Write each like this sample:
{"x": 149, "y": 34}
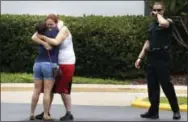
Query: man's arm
{"x": 145, "y": 48}
{"x": 163, "y": 22}
{"x": 62, "y": 35}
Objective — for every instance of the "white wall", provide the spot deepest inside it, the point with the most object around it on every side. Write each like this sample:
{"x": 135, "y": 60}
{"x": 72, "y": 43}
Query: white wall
{"x": 74, "y": 8}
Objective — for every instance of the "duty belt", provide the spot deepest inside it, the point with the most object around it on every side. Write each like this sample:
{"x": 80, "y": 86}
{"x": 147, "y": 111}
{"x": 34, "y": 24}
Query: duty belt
{"x": 160, "y": 49}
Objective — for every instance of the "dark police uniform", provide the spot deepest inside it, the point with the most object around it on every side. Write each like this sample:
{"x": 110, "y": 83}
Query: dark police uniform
{"x": 158, "y": 67}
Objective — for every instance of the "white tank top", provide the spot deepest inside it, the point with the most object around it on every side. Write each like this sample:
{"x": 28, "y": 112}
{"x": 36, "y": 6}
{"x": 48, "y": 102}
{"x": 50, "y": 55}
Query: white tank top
{"x": 66, "y": 51}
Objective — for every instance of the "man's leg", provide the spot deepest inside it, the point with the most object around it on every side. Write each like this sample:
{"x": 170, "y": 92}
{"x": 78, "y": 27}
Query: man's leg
{"x": 153, "y": 93}
{"x": 65, "y": 89}
{"x": 66, "y": 97}
{"x": 168, "y": 88}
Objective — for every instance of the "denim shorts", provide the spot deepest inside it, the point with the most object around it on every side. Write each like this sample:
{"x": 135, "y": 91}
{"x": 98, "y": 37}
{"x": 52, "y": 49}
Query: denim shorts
{"x": 43, "y": 70}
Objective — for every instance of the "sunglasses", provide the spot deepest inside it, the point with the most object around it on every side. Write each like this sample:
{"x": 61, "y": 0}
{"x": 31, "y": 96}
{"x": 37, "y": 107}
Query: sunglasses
{"x": 157, "y": 10}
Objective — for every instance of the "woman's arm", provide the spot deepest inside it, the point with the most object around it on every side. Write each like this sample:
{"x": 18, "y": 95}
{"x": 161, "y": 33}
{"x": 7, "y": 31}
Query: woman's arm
{"x": 60, "y": 24}
{"x": 62, "y": 35}
{"x": 37, "y": 40}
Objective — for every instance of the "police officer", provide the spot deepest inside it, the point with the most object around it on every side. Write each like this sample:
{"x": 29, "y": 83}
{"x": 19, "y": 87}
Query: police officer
{"x": 156, "y": 48}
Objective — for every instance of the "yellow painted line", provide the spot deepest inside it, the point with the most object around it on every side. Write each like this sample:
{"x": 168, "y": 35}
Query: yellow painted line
{"x": 144, "y": 104}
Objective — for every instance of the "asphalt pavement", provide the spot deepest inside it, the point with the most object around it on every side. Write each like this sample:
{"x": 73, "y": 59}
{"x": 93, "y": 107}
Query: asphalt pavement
{"x": 20, "y": 112}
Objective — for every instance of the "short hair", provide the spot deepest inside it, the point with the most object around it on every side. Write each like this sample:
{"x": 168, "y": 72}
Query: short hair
{"x": 52, "y": 17}
{"x": 159, "y": 3}
{"x": 40, "y": 27}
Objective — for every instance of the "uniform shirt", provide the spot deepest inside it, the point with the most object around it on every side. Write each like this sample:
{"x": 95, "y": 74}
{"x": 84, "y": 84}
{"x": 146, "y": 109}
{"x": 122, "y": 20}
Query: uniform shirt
{"x": 159, "y": 37}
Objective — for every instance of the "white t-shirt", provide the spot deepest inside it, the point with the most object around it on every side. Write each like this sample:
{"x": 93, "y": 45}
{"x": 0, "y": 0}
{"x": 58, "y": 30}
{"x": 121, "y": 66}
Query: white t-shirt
{"x": 66, "y": 51}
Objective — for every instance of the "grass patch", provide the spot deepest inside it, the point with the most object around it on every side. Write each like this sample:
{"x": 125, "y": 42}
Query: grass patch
{"x": 28, "y": 78}
{"x": 181, "y": 100}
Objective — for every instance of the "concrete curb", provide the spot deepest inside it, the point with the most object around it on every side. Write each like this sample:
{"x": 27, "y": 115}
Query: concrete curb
{"x": 90, "y": 88}
{"x": 139, "y": 103}
{"x": 84, "y": 89}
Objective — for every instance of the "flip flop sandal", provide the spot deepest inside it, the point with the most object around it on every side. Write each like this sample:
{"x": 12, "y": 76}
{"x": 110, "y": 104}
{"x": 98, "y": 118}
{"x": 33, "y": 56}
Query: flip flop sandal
{"x": 47, "y": 119}
{"x": 32, "y": 118}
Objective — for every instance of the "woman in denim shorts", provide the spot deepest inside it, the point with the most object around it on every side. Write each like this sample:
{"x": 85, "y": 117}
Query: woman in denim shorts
{"x": 42, "y": 70}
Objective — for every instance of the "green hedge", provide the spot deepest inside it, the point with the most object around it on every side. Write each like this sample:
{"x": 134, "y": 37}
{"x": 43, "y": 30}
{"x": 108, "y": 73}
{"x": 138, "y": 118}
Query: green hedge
{"x": 104, "y": 46}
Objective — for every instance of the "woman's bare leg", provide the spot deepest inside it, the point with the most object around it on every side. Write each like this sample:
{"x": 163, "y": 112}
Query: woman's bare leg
{"x": 35, "y": 96}
{"x": 48, "y": 84}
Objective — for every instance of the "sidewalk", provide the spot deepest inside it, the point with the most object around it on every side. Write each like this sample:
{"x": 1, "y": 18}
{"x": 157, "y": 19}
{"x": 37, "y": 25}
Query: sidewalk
{"x": 88, "y": 85}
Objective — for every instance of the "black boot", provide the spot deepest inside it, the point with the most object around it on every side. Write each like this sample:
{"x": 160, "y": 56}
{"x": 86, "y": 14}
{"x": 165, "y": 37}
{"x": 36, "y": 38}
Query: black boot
{"x": 177, "y": 115}
{"x": 149, "y": 115}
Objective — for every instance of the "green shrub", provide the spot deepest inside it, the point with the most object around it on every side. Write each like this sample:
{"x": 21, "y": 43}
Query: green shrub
{"x": 104, "y": 46}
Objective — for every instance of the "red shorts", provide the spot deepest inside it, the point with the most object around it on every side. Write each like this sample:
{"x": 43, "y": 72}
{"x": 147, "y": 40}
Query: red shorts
{"x": 64, "y": 84}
